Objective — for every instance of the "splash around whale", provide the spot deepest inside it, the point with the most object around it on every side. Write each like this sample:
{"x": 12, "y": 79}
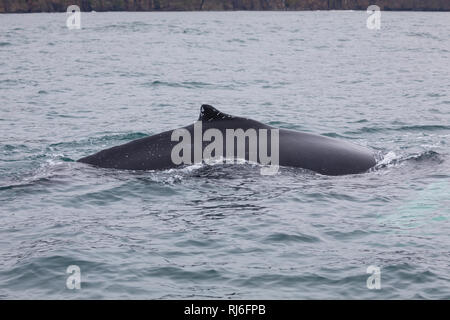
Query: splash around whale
{"x": 217, "y": 135}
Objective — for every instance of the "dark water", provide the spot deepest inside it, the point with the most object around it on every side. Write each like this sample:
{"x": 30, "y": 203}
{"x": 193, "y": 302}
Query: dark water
{"x": 224, "y": 231}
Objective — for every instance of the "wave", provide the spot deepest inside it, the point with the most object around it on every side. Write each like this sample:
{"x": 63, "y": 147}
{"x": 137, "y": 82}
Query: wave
{"x": 403, "y": 128}
{"x": 285, "y": 238}
{"x": 125, "y": 26}
{"x": 51, "y": 168}
{"x": 391, "y": 159}
{"x": 184, "y": 84}
{"x": 193, "y": 85}
{"x": 425, "y": 35}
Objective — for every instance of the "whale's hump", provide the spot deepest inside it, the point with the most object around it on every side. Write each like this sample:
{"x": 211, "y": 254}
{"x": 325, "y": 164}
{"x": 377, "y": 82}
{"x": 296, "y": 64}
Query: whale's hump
{"x": 209, "y": 113}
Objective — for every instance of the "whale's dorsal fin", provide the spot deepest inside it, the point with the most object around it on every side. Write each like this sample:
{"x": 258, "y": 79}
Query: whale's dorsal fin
{"x": 209, "y": 113}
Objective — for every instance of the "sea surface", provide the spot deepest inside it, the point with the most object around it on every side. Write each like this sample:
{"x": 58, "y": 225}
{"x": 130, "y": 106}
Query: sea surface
{"x": 224, "y": 231}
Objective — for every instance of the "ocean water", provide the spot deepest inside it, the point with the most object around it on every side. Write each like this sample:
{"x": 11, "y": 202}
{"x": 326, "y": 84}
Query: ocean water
{"x": 224, "y": 231}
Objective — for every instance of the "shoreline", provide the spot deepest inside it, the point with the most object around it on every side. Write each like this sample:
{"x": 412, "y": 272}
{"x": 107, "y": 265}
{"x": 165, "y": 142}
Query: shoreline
{"x": 27, "y": 6}
{"x": 200, "y": 11}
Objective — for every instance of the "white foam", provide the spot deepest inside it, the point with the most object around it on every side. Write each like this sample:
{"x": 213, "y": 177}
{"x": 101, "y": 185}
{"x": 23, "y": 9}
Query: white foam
{"x": 388, "y": 158}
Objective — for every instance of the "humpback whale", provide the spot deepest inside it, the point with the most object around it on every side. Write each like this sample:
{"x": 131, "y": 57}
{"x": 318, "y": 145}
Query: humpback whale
{"x": 246, "y": 139}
